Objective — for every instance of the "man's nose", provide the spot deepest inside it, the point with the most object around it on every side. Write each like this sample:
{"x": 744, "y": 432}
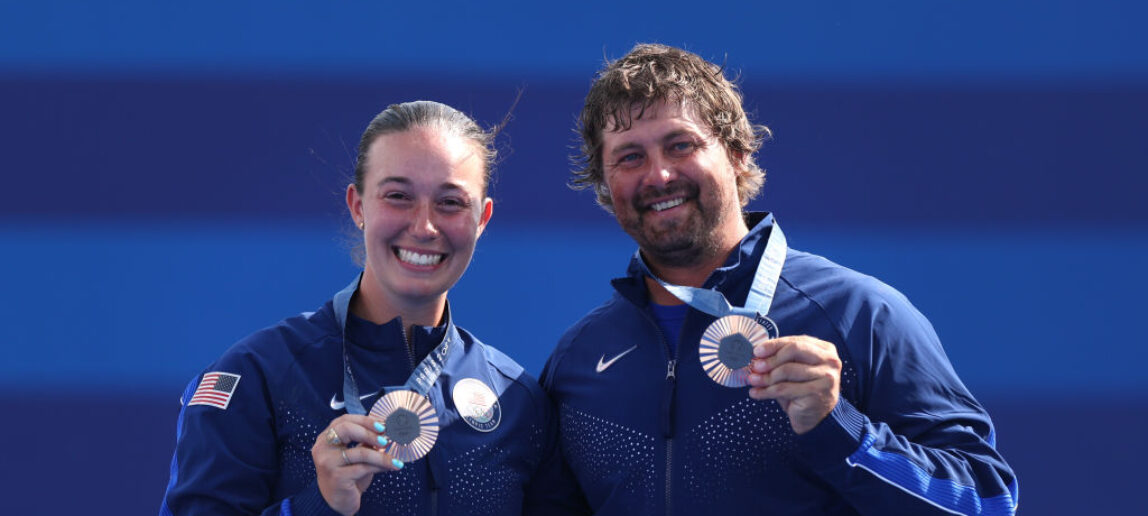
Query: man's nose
{"x": 662, "y": 171}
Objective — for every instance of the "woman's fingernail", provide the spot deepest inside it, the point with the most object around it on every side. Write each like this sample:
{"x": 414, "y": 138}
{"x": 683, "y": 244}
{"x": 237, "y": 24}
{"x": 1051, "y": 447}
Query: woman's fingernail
{"x": 383, "y": 440}
{"x": 379, "y": 427}
{"x": 398, "y": 463}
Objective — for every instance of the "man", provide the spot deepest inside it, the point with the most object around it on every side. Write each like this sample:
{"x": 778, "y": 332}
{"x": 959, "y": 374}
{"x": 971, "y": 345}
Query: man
{"x": 852, "y": 406}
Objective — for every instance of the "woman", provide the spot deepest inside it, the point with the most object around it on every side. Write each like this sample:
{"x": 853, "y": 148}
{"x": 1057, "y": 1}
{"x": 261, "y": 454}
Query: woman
{"x": 280, "y": 423}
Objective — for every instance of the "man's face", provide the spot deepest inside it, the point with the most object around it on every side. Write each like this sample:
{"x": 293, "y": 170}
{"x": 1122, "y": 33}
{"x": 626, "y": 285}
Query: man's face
{"x": 673, "y": 186}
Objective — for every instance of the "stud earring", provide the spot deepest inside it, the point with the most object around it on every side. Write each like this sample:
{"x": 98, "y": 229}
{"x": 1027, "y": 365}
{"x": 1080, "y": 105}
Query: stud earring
{"x": 362, "y": 225}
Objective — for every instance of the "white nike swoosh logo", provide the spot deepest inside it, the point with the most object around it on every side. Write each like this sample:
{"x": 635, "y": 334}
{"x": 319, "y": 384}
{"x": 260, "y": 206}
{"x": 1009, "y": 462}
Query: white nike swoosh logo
{"x": 603, "y": 363}
{"x": 338, "y": 405}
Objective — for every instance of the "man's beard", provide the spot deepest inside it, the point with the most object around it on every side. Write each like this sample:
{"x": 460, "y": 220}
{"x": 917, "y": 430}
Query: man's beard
{"x": 681, "y": 242}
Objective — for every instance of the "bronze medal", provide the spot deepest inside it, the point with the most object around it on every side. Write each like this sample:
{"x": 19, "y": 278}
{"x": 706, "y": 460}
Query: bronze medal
{"x": 411, "y": 421}
{"x": 726, "y": 349}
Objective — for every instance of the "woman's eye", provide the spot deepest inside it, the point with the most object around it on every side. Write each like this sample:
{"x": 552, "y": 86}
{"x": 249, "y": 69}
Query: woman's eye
{"x": 395, "y": 196}
{"x": 453, "y": 203}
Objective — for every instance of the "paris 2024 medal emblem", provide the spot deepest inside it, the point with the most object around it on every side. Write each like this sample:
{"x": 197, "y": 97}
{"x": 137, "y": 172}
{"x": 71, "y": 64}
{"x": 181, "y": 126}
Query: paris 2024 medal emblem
{"x": 726, "y": 348}
{"x": 412, "y": 424}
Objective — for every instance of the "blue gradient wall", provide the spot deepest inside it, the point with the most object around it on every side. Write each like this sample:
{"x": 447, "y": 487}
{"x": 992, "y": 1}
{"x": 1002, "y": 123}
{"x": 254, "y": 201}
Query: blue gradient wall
{"x": 173, "y": 179}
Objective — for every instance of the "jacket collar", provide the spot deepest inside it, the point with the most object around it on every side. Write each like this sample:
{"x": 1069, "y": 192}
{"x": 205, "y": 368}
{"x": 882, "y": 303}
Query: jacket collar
{"x": 749, "y": 251}
{"x": 387, "y": 336}
{"x": 390, "y": 335}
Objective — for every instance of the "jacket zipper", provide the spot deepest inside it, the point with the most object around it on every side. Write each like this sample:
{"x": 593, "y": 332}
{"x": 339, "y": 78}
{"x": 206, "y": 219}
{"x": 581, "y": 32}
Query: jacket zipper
{"x": 671, "y": 378}
{"x": 433, "y": 488}
{"x": 667, "y": 410}
{"x": 410, "y": 346}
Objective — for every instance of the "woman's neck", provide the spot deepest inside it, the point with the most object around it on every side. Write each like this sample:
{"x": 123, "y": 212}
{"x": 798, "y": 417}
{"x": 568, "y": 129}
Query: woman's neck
{"x": 372, "y": 304}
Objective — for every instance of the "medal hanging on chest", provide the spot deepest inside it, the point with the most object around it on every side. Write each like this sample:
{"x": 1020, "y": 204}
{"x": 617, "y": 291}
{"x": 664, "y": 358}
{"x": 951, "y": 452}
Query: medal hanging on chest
{"x": 410, "y": 418}
{"x": 726, "y": 348}
{"x": 406, "y": 410}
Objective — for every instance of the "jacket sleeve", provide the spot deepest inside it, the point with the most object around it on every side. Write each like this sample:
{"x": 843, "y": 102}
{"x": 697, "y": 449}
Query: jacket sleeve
{"x": 916, "y": 442}
{"x": 553, "y": 489}
{"x": 225, "y": 460}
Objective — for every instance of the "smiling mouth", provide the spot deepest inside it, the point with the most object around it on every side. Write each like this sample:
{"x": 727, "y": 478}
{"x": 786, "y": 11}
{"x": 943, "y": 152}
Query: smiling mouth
{"x": 420, "y": 259}
{"x": 665, "y": 205}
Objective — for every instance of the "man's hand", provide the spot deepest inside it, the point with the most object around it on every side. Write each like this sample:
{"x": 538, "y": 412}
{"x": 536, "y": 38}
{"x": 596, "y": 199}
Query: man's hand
{"x": 802, "y": 373}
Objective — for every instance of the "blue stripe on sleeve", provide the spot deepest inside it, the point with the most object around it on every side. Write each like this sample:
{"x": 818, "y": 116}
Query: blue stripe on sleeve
{"x": 942, "y": 493}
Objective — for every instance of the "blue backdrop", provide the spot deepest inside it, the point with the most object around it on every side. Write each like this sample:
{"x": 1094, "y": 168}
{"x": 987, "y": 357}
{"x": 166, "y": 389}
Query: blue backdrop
{"x": 173, "y": 179}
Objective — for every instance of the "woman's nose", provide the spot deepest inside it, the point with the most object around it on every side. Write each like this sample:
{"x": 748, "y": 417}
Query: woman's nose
{"x": 423, "y": 225}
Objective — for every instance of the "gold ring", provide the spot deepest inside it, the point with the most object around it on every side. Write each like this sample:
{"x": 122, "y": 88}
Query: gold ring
{"x": 333, "y": 438}
{"x": 346, "y": 460}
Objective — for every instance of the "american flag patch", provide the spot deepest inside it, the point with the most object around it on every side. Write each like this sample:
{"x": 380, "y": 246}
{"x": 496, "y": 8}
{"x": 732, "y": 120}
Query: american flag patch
{"x": 215, "y": 389}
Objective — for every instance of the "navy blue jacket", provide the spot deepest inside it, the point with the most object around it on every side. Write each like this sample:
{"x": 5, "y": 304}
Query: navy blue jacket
{"x": 254, "y": 456}
{"x": 650, "y": 433}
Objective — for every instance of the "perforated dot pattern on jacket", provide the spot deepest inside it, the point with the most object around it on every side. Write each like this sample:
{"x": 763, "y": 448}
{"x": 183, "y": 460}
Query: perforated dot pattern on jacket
{"x": 608, "y": 450}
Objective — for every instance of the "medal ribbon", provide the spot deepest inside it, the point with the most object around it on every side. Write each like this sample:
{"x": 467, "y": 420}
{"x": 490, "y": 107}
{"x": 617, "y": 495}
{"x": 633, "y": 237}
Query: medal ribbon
{"x": 760, "y": 297}
{"x": 421, "y": 379}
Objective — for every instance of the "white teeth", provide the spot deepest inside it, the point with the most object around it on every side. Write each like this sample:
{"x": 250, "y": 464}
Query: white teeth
{"x": 665, "y": 205}
{"x": 414, "y": 258}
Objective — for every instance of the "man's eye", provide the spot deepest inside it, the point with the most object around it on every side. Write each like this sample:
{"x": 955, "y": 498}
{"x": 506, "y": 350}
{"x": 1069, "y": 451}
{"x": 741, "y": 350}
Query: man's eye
{"x": 681, "y": 147}
{"x": 630, "y": 160}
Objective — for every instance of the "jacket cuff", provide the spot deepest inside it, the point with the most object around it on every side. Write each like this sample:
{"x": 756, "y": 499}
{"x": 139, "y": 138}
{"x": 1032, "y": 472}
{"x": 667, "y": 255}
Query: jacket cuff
{"x": 309, "y": 502}
{"x": 835, "y": 438}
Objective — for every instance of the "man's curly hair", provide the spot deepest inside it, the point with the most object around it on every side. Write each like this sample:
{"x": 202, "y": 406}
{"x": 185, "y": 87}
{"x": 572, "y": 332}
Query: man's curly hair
{"x": 650, "y": 74}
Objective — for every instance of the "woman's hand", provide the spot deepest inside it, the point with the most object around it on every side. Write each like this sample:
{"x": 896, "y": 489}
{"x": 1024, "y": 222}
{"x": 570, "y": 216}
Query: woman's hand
{"x": 347, "y": 454}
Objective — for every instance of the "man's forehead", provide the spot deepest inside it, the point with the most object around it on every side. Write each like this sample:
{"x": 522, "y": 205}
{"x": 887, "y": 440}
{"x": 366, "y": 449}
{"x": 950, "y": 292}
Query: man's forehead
{"x": 621, "y": 121}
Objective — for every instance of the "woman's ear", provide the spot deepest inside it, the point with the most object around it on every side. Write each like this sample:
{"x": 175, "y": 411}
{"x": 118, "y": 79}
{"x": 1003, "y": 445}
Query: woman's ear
{"x": 484, "y": 217}
{"x": 355, "y": 205}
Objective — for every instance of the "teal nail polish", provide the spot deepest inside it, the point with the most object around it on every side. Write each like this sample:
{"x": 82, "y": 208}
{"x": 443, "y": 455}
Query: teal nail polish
{"x": 383, "y": 440}
{"x": 379, "y": 427}
{"x": 398, "y": 463}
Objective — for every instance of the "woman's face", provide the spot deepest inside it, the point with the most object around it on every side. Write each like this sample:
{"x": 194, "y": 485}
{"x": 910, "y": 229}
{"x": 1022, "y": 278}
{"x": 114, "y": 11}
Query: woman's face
{"x": 423, "y": 208}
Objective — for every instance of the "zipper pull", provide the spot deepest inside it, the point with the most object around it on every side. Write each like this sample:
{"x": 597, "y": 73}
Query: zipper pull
{"x": 668, "y": 398}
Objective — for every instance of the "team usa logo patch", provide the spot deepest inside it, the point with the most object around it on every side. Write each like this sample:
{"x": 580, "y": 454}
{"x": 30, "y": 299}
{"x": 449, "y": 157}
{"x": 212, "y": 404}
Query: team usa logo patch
{"x": 215, "y": 390}
{"x": 477, "y": 404}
